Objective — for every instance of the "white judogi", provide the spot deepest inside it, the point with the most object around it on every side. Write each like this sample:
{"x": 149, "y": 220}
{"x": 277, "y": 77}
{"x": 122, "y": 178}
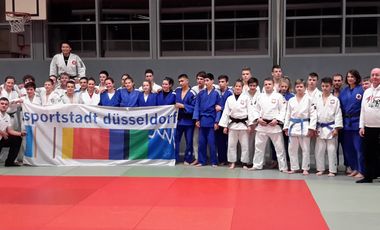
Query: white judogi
{"x": 300, "y": 117}
{"x": 52, "y": 99}
{"x": 75, "y": 66}
{"x": 70, "y": 100}
{"x": 252, "y": 133}
{"x": 237, "y": 131}
{"x": 155, "y": 88}
{"x": 86, "y": 99}
{"x": 268, "y": 107}
{"x": 14, "y": 113}
{"x": 329, "y": 116}
{"x": 315, "y": 96}
{"x": 36, "y": 100}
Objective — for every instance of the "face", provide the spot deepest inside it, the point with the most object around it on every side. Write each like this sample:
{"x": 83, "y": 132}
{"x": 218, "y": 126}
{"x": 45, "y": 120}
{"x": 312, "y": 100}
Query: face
{"x": 146, "y": 87}
{"x": 375, "y": 77}
{"x": 30, "y": 92}
{"x": 70, "y": 88}
{"x": 3, "y": 106}
{"x": 326, "y": 88}
{"x": 238, "y": 88}
{"x": 53, "y": 79}
{"x": 128, "y": 84}
{"x": 300, "y": 89}
{"x": 337, "y": 82}
{"x": 91, "y": 85}
{"x": 183, "y": 82}
{"x": 277, "y": 73}
{"x": 246, "y": 75}
{"x": 48, "y": 86}
{"x": 102, "y": 78}
{"x": 284, "y": 87}
{"x": 252, "y": 87}
{"x": 312, "y": 82}
{"x": 109, "y": 85}
{"x": 65, "y": 48}
{"x": 223, "y": 83}
{"x": 209, "y": 83}
{"x": 149, "y": 77}
{"x": 200, "y": 81}
{"x": 9, "y": 84}
{"x": 83, "y": 84}
{"x": 268, "y": 85}
{"x": 64, "y": 79}
{"x": 165, "y": 86}
{"x": 123, "y": 78}
{"x": 351, "y": 80}
{"x": 366, "y": 84}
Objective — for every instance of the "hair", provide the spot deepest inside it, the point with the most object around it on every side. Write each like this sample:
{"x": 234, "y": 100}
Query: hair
{"x": 313, "y": 74}
{"x": 10, "y": 78}
{"x": 253, "y": 80}
{"x": 30, "y": 85}
{"x": 170, "y": 80}
{"x": 83, "y": 78}
{"x": 183, "y": 75}
{"x": 223, "y": 76}
{"x": 287, "y": 81}
{"x": 4, "y": 99}
{"x": 91, "y": 79}
{"x": 71, "y": 82}
{"x": 338, "y": 75}
{"x": 104, "y": 72}
{"x": 111, "y": 79}
{"x": 276, "y": 67}
{"x": 239, "y": 81}
{"x": 28, "y": 76}
{"x": 201, "y": 74}
{"x": 64, "y": 74}
{"x": 150, "y": 85}
{"x": 300, "y": 81}
{"x": 149, "y": 71}
{"x": 50, "y": 81}
{"x": 53, "y": 76}
{"x": 366, "y": 78}
{"x": 356, "y": 74}
{"x": 245, "y": 68}
{"x": 327, "y": 80}
{"x": 268, "y": 79}
{"x": 209, "y": 76}
{"x": 65, "y": 42}
{"x": 127, "y": 75}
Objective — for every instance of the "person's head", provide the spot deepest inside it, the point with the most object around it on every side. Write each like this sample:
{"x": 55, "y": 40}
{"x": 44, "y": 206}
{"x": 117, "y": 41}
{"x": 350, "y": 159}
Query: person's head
{"x": 28, "y": 78}
{"x": 167, "y": 84}
{"x": 70, "y": 87}
{"x": 183, "y": 80}
{"x": 276, "y": 72}
{"x": 252, "y": 84}
{"x": 64, "y": 78}
{"x": 149, "y": 75}
{"x": 238, "y": 87}
{"x": 223, "y": 81}
{"x": 366, "y": 82}
{"x": 285, "y": 85}
{"x": 9, "y": 82}
{"x": 109, "y": 83}
{"x": 54, "y": 79}
{"x": 200, "y": 77}
{"x": 312, "y": 81}
{"x": 209, "y": 81}
{"x": 300, "y": 87}
{"x": 49, "y": 85}
{"x": 375, "y": 77}
{"x": 4, "y": 103}
{"x": 30, "y": 89}
{"x": 103, "y": 75}
{"x": 91, "y": 83}
{"x": 353, "y": 78}
{"x": 129, "y": 83}
{"x": 147, "y": 86}
{"x": 123, "y": 78}
{"x": 326, "y": 85}
{"x": 83, "y": 82}
{"x": 268, "y": 85}
{"x": 65, "y": 48}
{"x": 246, "y": 74}
{"x": 337, "y": 81}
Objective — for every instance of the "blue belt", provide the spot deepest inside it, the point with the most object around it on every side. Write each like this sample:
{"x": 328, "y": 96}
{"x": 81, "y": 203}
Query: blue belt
{"x": 296, "y": 121}
{"x": 326, "y": 125}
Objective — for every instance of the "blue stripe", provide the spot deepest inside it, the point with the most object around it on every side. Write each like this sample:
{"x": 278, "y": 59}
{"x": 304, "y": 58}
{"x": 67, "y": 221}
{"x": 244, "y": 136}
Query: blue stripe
{"x": 29, "y": 141}
{"x": 116, "y": 144}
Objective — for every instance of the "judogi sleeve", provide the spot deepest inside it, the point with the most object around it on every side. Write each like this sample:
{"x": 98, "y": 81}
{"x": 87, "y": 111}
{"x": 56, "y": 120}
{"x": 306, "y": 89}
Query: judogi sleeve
{"x": 338, "y": 116}
{"x": 313, "y": 115}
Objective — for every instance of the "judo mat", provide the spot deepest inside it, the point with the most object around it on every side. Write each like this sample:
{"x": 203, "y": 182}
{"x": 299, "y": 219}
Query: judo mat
{"x": 47, "y": 202}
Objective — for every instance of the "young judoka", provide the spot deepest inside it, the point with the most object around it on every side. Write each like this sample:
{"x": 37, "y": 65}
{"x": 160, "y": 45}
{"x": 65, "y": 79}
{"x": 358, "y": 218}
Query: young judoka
{"x": 205, "y": 114}
{"x": 269, "y": 113}
{"x": 329, "y": 121}
{"x": 147, "y": 97}
{"x": 236, "y": 118}
{"x": 300, "y": 124}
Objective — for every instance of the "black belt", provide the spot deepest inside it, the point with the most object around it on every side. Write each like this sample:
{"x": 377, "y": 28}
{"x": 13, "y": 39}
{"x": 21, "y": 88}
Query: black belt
{"x": 12, "y": 115}
{"x": 237, "y": 120}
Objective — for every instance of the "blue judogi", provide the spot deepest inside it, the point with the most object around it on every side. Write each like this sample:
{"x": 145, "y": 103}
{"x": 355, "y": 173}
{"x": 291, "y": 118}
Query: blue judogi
{"x": 150, "y": 101}
{"x": 106, "y": 101}
{"x": 205, "y": 113}
{"x": 350, "y": 101}
{"x": 166, "y": 98}
{"x": 185, "y": 123}
{"x": 128, "y": 99}
{"x": 221, "y": 138}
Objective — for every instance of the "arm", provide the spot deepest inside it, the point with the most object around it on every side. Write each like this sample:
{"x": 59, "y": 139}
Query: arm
{"x": 81, "y": 68}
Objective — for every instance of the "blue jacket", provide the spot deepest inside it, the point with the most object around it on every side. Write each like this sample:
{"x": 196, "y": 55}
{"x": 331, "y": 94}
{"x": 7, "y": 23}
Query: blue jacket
{"x": 204, "y": 109}
{"x": 106, "y": 101}
{"x": 185, "y": 115}
{"x": 128, "y": 99}
{"x": 151, "y": 101}
{"x": 350, "y": 103}
{"x": 168, "y": 100}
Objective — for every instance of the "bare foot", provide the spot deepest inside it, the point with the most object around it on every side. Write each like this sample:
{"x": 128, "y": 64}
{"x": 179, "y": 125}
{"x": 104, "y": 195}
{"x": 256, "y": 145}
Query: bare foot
{"x": 353, "y": 173}
{"x": 292, "y": 171}
{"x": 198, "y": 165}
{"x": 232, "y": 166}
{"x": 320, "y": 173}
{"x": 331, "y": 174}
{"x": 186, "y": 163}
{"x": 305, "y": 172}
{"x": 195, "y": 162}
{"x": 284, "y": 171}
{"x": 348, "y": 170}
{"x": 253, "y": 169}
{"x": 359, "y": 175}
{"x": 214, "y": 166}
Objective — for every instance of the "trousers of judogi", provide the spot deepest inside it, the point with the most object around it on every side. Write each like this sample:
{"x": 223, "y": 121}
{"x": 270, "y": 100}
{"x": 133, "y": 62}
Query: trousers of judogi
{"x": 206, "y": 138}
{"x": 352, "y": 150}
{"x": 320, "y": 152}
{"x": 260, "y": 145}
{"x": 294, "y": 143}
{"x": 195, "y": 142}
{"x": 235, "y": 136}
{"x": 251, "y": 146}
{"x": 188, "y": 131}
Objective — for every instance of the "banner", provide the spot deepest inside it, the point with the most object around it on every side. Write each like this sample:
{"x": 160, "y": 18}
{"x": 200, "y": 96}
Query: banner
{"x": 74, "y": 135}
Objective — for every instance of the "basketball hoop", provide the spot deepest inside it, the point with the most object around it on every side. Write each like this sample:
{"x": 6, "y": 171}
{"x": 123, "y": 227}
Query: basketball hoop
{"x": 17, "y": 20}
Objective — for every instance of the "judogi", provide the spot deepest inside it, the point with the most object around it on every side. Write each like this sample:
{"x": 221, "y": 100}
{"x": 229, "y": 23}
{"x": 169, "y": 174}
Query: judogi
{"x": 329, "y": 118}
{"x": 74, "y": 66}
{"x": 71, "y": 100}
{"x": 13, "y": 142}
{"x": 252, "y": 133}
{"x": 13, "y": 110}
{"x": 85, "y": 98}
{"x": 196, "y": 89}
{"x": 205, "y": 113}
{"x": 300, "y": 117}
{"x": 268, "y": 107}
{"x": 237, "y": 116}
{"x": 155, "y": 88}
{"x": 51, "y": 99}
{"x": 166, "y": 98}
{"x": 315, "y": 95}
{"x": 36, "y": 100}
{"x": 185, "y": 124}
{"x": 107, "y": 99}
{"x": 128, "y": 99}
{"x": 147, "y": 100}
{"x": 350, "y": 101}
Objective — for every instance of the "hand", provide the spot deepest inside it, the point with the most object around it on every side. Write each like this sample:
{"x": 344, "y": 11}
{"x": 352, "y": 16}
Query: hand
{"x": 179, "y": 105}
{"x": 249, "y": 129}
{"x": 22, "y": 134}
{"x": 4, "y": 134}
{"x": 335, "y": 133}
{"x": 274, "y": 122}
{"x": 218, "y": 108}
{"x": 198, "y": 124}
{"x": 252, "y": 128}
{"x": 262, "y": 122}
{"x": 286, "y": 131}
{"x": 216, "y": 126}
{"x": 225, "y": 130}
{"x": 311, "y": 133}
{"x": 362, "y": 132}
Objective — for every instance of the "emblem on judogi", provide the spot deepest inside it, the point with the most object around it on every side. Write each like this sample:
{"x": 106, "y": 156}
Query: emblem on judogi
{"x": 358, "y": 96}
{"x": 332, "y": 101}
{"x": 273, "y": 101}
{"x": 74, "y": 62}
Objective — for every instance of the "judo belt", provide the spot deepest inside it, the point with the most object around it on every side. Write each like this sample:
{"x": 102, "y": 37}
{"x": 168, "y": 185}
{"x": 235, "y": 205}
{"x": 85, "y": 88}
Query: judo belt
{"x": 279, "y": 123}
{"x": 296, "y": 121}
{"x": 326, "y": 125}
{"x": 12, "y": 115}
{"x": 186, "y": 116}
{"x": 347, "y": 115}
{"x": 236, "y": 120}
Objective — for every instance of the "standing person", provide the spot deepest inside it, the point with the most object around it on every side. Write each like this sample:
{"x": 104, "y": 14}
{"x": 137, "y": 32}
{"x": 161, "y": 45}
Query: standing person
{"x": 337, "y": 84}
{"x": 235, "y": 121}
{"x": 103, "y": 75}
{"x": 329, "y": 121}
{"x": 205, "y": 114}
{"x": 83, "y": 82}
{"x": 70, "y": 97}
{"x": 147, "y": 97}
{"x": 26, "y": 79}
{"x": 246, "y": 74}
{"x": 300, "y": 124}
{"x": 31, "y": 97}
{"x": 67, "y": 62}
{"x": 366, "y": 82}
{"x": 11, "y": 94}
{"x": 185, "y": 101}
{"x": 270, "y": 113}
{"x": 149, "y": 76}
{"x": 312, "y": 90}
{"x": 167, "y": 95}
{"x": 285, "y": 86}
{"x": 90, "y": 96}
{"x": 122, "y": 82}
{"x": 8, "y": 136}
{"x": 63, "y": 79}
{"x": 277, "y": 76}
{"x": 350, "y": 100}
{"x": 129, "y": 95}
{"x": 370, "y": 128}
{"x": 110, "y": 97}
{"x": 221, "y": 138}
{"x": 49, "y": 96}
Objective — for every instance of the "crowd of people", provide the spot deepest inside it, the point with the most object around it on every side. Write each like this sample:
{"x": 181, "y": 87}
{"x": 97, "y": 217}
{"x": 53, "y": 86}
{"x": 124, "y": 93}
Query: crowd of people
{"x": 231, "y": 121}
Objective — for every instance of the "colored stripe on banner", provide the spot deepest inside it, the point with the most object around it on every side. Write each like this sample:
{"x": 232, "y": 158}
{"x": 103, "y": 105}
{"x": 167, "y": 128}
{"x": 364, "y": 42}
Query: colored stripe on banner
{"x": 54, "y": 141}
{"x": 117, "y": 145}
{"x": 67, "y": 143}
{"x": 161, "y": 144}
{"x": 29, "y": 141}
{"x": 35, "y": 142}
{"x": 91, "y": 143}
{"x": 138, "y": 144}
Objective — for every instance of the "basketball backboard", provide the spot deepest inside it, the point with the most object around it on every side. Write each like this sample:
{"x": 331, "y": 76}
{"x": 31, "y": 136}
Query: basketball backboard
{"x": 36, "y": 8}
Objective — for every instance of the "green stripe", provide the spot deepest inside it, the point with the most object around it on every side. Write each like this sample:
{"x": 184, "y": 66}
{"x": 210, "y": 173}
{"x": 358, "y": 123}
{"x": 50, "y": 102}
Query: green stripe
{"x": 138, "y": 144}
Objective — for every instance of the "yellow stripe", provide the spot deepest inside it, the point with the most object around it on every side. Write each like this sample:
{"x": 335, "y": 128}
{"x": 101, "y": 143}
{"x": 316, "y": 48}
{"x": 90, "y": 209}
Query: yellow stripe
{"x": 67, "y": 143}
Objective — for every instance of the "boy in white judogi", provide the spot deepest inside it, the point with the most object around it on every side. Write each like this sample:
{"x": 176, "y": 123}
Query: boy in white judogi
{"x": 300, "y": 124}
{"x": 270, "y": 113}
{"x": 329, "y": 117}
{"x": 236, "y": 118}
